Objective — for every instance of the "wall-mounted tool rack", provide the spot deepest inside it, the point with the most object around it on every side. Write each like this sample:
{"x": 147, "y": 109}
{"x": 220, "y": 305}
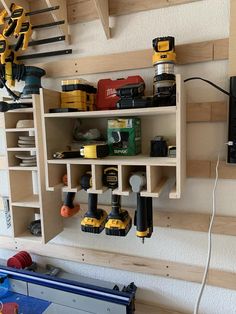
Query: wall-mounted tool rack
{"x": 168, "y": 121}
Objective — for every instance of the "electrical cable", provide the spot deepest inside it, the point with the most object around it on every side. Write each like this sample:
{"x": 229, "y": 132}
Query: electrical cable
{"x": 212, "y": 84}
{"x": 196, "y": 308}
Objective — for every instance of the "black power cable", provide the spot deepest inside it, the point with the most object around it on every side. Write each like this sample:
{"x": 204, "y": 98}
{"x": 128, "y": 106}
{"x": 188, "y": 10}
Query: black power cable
{"x": 212, "y": 84}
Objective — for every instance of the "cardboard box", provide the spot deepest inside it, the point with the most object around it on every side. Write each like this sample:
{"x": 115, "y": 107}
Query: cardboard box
{"x": 124, "y": 136}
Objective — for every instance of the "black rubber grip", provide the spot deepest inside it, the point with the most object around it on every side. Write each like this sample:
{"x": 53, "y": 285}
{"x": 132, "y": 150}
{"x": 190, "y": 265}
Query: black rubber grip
{"x": 141, "y": 214}
{"x": 92, "y": 205}
{"x": 19, "y": 42}
{"x": 69, "y": 199}
{"x": 10, "y": 29}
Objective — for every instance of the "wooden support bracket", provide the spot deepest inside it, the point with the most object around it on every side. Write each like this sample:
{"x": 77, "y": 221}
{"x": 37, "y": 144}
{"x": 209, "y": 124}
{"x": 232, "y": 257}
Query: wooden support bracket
{"x": 102, "y": 7}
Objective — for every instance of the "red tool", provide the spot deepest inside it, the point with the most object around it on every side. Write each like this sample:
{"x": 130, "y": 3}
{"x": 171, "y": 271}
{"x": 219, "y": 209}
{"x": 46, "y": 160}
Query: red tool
{"x": 106, "y": 92}
{"x": 68, "y": 209}
{"x": 9, "y": 308}
{"x": 20, "y": 260}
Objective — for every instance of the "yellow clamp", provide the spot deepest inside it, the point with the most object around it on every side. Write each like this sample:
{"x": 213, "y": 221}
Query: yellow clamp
{"x": 18, "y": 14}
{"x": 4, "y": 49}
{"x": 3, "y": 15}
{"x": 26, "y": 32}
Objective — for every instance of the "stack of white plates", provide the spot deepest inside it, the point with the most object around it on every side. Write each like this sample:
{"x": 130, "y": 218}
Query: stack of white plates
{"x": 26, "y": 141}
{"x": 27, "y": 160}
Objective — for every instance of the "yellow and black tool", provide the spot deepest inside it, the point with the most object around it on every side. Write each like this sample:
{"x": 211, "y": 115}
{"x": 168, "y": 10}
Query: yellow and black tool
{"x": 25, "y": 34}
{"x": 163, "y": 60}
{"x": 18, "y": 17}
{"x": 143, "y": 219}
{"x": 94, "y": 219}
{"x": 94, "y": 151}
{"x": 119, "y": 221}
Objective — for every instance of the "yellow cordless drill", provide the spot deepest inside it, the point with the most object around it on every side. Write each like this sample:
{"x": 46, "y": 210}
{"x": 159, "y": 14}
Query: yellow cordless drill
{"x": 119, "y": 221}
{"x": 94, "y": 219}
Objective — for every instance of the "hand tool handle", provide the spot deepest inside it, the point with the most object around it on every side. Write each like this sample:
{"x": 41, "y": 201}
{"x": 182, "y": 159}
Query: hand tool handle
{"x": 115, "y": 205}
{"x": 149, "y": 216}
{"x": 92, "y": 205}
{"x": 141, "y": 217}
{"x": 69, "y": 199}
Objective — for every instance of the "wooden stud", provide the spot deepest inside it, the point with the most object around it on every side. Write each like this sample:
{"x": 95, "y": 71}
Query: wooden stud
{"x": 102, "y": 7}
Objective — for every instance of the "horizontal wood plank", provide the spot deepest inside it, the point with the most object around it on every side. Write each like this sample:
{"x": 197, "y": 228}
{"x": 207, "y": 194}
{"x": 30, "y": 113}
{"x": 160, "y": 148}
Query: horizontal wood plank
{"x": 207, "y": 112}
{"x": 83, "y": 11}
{"x": 163, "y": 218}
{"x": 130, "y": 60}
{"x": 125, "y": 262}
{"x": 199, "y": 168}
{"x": 206, "y": 169}
{"x": 141, "y": 308}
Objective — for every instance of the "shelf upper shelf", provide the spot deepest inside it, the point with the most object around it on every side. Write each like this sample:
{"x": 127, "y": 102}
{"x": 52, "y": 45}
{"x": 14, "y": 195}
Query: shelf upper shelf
{"x": 20, "y": 130}
{"x": 114, "y": 113}
{"x": 30, "y": 201}
{"x": 139, "y": 160}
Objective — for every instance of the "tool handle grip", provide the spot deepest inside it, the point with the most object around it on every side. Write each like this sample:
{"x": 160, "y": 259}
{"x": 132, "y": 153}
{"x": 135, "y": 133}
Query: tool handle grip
{"x": 69, "y": 199}
{"x": 115, "y": 204}
{"x": 92, "y": 204}
{"x": 10, "y": 29}
{"x": 141, "y": 214}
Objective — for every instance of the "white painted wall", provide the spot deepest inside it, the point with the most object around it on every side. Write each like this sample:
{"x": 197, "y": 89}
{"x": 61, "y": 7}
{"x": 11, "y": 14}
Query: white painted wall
{"x": 200, "y": 21}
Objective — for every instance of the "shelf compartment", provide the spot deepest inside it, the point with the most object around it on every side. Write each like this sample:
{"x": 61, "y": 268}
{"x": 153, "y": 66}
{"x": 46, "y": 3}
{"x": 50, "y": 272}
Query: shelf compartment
{"x": 12, "y": 119}
{"x": 75, "y": 172}
{"x": 28, "y": 201}
{"x": 157, "y": 180}
{"x": 23, "y": 216}
{"x": 55, "y": 175}
{"x": 97, "y": 184}
{"x": 15, "y": 162}
{"x": 115, "y": 113}
{"x": 22, "y": 190}
{"x": 13, "y": 137}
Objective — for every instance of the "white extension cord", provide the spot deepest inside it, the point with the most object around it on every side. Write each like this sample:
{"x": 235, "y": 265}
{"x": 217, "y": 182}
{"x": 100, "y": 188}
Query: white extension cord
{"x": 196, "y": 308}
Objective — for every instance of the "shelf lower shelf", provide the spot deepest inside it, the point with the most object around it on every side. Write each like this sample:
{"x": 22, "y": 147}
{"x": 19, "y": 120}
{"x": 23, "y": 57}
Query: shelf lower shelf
{"x": 115, "y": 113}
{"x": 20, "y": 149}
{"x": 19, "y": 168}
{"x": 139, "y": 160}
{"x": 28, "y": 237}
{"x": 20, "y": 130}
{"x": 30, "y": 201}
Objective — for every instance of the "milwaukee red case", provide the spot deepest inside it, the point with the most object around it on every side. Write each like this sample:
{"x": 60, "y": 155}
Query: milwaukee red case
{"x": 106, "y": 91}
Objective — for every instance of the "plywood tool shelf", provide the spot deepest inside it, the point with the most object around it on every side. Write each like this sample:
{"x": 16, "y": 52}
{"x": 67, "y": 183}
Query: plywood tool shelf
{"x": 28, "y": 195}
{"x": 161, "y": 172}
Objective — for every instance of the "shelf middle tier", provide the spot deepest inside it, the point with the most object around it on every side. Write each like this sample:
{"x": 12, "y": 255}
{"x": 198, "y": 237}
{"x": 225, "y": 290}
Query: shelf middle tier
{"x": 139, "y": 160}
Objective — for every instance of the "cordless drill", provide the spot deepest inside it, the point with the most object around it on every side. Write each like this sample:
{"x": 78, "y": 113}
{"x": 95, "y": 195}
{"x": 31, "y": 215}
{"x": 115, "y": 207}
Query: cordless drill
{"x": 119, "y": 221}
{"x": 143, "y": 219}
{"x": 94, "y": 219}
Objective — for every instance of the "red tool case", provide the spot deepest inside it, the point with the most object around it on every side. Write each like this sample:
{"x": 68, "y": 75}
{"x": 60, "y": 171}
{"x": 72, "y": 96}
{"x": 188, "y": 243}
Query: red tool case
{"x": 106, "y": 92}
